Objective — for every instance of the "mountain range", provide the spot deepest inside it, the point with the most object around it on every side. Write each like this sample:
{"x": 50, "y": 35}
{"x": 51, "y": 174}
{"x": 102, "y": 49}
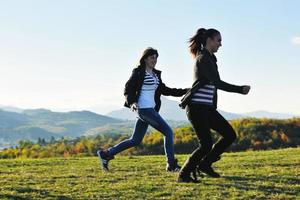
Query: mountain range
{"x": 171, "y": 110}
{"x": 31, "y": 124}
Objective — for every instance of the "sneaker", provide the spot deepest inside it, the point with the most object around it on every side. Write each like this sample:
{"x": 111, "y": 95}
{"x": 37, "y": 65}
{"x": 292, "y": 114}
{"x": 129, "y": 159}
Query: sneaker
{"x": 104, "y": 158}
{"x": 186, "y": 179}
{"x": 207, "y": 169}
{"x": 173, "y": 167}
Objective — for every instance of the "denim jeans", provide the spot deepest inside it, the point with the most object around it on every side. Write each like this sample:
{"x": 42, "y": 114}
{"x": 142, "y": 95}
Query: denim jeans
{"x": 147, "y": 116}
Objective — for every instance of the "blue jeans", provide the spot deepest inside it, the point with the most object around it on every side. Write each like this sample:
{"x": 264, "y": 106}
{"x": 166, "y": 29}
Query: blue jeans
{"x": 147, "y": 116}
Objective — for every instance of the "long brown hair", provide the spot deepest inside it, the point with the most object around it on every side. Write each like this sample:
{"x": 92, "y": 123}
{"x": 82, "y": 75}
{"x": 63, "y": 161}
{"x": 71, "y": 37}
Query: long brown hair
{"x": 146, "y": 53}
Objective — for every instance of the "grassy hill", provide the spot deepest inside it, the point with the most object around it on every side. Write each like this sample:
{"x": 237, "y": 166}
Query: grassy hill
{"x": 245, "y": 175}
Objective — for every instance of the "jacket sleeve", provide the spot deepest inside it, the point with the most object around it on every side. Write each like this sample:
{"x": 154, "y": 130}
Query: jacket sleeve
{"x": 176, "y": 92}
{"x": 209, "y": 71}
{"x": 131, "y": 87}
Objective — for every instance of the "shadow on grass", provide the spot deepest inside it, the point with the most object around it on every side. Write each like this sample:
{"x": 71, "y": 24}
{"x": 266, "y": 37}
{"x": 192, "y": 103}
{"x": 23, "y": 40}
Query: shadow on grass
{"x": 9, "y": 196}
{"x": 31, "y": 190}
{"x": 41, "y": 193}
{"x": 258, "y": 183}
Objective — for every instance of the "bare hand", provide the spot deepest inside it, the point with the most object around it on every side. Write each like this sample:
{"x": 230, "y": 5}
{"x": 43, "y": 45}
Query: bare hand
{"x": 246, "y": 89}
{"x": 134, "y": 107}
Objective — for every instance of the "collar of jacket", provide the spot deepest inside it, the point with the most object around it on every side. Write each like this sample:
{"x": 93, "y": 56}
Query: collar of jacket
{"x": 204, "y": 51}
{"x": 143, "y": 69}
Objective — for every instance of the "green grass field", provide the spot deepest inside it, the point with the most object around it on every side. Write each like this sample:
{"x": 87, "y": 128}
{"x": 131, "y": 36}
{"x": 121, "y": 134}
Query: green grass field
{"x": 245, "y": 175}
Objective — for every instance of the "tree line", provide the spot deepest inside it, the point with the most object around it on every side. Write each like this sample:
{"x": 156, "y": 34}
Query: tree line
{"x": 252, "y": 134}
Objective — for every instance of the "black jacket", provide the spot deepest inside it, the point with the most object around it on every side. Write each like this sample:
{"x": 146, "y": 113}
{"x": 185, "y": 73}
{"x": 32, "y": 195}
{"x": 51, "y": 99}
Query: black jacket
{"x": 206, "y": 72}
{"x": 134, "y": 84}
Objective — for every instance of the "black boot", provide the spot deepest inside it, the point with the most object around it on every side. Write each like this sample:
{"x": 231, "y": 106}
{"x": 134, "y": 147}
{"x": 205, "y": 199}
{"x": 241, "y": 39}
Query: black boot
{"x": 185, "y": 172}
{"x": 186, "y": 178}
{"x": 216, "y": 159}
{"x": 206, "y": 168}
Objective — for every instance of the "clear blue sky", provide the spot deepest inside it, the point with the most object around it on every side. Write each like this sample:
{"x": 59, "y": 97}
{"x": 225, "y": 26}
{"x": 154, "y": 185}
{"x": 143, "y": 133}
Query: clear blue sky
{"x": 74, "y": 55}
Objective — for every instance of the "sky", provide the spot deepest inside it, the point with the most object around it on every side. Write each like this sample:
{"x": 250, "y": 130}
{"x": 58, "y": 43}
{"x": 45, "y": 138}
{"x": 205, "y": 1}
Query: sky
{"x": 68, "y": 55}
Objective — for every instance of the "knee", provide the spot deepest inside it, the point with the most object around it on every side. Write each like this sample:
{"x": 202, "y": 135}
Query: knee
{"x": 169, "y": 133}
{"x": 232, "y": 136}
{"x": 206, "y": 145}
{"x": 134, "y": 142}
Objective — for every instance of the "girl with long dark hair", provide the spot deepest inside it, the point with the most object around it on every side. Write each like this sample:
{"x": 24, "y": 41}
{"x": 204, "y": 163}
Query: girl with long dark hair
{"x": 142, "y": 93}
{"x": 200, "y": 103}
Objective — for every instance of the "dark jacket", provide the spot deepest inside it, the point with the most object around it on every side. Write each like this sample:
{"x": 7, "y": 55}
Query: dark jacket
{"x": 206, "y": 72}
{"x": 134, "y": 84}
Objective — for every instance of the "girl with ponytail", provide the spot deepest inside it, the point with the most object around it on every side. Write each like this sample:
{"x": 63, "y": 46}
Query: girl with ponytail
{"x": 200, "y": 103}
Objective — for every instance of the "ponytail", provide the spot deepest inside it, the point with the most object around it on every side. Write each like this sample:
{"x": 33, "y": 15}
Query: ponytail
{"x": 198, "y": 41}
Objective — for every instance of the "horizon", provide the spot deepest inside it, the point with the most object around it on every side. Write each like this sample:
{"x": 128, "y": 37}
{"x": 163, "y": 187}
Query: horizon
{"x": 80, "y": 57}
{"x": 118, "y": 109}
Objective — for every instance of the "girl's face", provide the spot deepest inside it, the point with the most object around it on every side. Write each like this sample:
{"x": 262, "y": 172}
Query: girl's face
{"x": 151, "y": 61}
{"x": 214, "y": 43}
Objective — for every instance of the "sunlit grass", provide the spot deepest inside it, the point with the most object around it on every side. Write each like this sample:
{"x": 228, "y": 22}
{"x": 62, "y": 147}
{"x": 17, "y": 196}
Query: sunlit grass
{"x": 245, "y": 175}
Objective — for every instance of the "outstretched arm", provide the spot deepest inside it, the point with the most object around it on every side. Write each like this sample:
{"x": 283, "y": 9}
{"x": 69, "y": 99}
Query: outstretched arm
{"x": 176, "y": 92}
{"x": 207, "y": 69}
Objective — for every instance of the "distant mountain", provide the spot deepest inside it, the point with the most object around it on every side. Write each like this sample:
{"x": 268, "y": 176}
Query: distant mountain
{"x": 11, "y": 120}
{"x": 169, "y": 110}
{"x": 11, "y": 109}
{"x": 32, "y": 124}
{"x": 123, "y": 113}
{"x": 84, "y": 119}
{"x": 267, "y": 114}
{"x": 35, "y": 123}
{"x": 230, "y": 116}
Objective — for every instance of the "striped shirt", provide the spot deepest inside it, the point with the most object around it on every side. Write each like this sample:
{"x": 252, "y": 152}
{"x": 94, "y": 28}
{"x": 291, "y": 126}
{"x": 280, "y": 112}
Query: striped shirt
{"x": 150, "y": 84}
{"x": 204, "y": 95}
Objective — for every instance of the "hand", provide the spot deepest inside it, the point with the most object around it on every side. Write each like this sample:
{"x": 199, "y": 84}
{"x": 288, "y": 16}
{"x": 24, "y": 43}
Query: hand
{"x": 246, "y": 89}
{"x": 134, "y": 107}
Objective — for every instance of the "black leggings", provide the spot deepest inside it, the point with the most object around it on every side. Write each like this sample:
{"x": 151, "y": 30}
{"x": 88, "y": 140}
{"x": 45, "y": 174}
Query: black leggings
{"x": 203, "y": 118}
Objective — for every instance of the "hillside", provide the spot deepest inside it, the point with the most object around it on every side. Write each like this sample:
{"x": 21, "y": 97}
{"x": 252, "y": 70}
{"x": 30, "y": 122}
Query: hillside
{"x": 32, "y": 124}
{"x": 245, "y": 175}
